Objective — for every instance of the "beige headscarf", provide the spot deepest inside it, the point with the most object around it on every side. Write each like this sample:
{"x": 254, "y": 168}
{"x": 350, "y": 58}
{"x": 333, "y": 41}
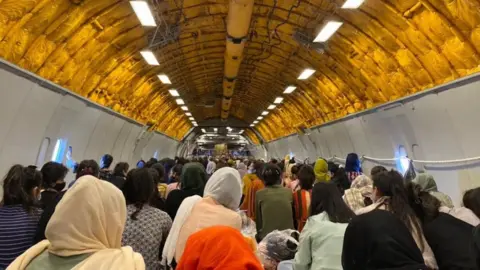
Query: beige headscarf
{"x": 90, "y": 218}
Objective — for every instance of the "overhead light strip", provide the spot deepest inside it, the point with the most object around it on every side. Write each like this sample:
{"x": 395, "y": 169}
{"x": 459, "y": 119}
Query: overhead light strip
{"x": 305, "y": 74}
{"x": 174, "y": 93}
{"x": 352, "y": 4}
{"x": 327, "y": 31}
{"x": 164, "y": 79}
{"x": 180, "y": 101}
{"x": 150, "y": 58}
{"x": 289, "y": 90}
{"x": 143, "y": 12}
{"x": 185, "y": 108}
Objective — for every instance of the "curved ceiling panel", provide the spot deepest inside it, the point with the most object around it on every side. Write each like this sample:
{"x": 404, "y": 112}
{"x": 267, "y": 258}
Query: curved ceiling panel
{"x": 384, "y": 50}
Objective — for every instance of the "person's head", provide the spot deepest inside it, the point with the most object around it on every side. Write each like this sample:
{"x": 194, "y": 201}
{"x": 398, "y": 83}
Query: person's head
{"x": 306, "y": 177}
{"x": 242, "y": 166}
{"x": 193, "y": 176}
{"x": 96, "y": 225}
{"x": 258, "y": 168}
{"x": 22, "y": 186}
{"x": 361, "y": 181}
{"x": 225, "y": 187}
{"x": 138, "y": 189}
{"x": 352, "y": 163}
{"x": 141, "y": 163}
{"x": 321, "y": 170}
{"x": 53, "y": 175}
{"x": 151, "y": 162}
{"x": 295, "y": 170}
{"x": 106, "y": 161}
{"x": 332, "y": 168}
{"x": 176, "y": 173}
{"x": 471, "y": 200}
{"x": 327, "y": 198}
{"x": 271, "y": 175}
{"x": 210, "y": 158}
{"x": 273, "y": 161}
{"x": 121, "y": 169}
{"x": 216, "y": 248}
{"x": 422, "y": 202}
{"x": 161, "y": 172}
{"x": 426, "y": 182}
{"x": 377, "y": 169}
{"x": 88, "y": 167}
{"x": 390, "y": 184}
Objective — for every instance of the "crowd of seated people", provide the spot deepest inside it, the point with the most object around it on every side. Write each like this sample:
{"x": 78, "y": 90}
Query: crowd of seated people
{"x": 196, "y": 214}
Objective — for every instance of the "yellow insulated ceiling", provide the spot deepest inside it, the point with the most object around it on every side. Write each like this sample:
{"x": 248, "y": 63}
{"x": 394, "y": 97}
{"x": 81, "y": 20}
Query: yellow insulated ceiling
{"x": 385, "y": 50}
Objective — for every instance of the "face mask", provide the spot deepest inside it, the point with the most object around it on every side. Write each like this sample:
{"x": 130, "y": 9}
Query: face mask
{"x": 59, "y": 186}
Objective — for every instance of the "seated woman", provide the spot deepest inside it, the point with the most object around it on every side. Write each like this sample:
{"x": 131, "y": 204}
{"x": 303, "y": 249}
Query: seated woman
{"x": 217, "y": 207}
{"x": 390, "y": 195}
{"x": 273, "y": 204}
{"x": 53, "y": 175}
{"x": 303, "y": 196}
{"x": 450, "y": 238}
{"x": 193, "y": 180}
{"x": 380, "y": 240}
{"x": 427, "y": 183}
{"x": 321, "y": 241}
{"x": 84, "y": 234}
{"x": 251, "y": 184}
{"x": 20, "y": 212}
{"x": 218, "y": 248}
{"x": 147, "y": 227}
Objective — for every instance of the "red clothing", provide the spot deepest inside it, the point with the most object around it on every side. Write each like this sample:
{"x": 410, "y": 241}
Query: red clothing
{"x": 301, "y": 202}
{"x": 218, "y": 247}
{"x": 249, "y": 201}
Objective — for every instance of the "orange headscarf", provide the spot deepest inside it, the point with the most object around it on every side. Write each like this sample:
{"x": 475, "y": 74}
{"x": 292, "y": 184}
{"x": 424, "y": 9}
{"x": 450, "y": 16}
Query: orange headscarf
{"x": 218, "y": 247}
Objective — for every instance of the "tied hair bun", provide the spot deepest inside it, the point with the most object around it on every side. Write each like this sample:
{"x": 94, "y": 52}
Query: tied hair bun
{"x": 271, "y": 172}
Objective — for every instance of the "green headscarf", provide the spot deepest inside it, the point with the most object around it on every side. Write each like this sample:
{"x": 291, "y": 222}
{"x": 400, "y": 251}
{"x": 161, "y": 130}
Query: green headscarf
{"x": 426, "y": 182}
{"x": 194, "y": 176}
{"x": 321, "y": 171}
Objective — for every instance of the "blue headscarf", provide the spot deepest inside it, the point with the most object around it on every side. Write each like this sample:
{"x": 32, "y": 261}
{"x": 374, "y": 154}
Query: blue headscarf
{"x": 352, "y": 164}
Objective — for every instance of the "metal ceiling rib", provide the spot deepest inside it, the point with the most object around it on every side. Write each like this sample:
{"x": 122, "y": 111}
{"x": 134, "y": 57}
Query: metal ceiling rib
{"x": 385, "y": 50}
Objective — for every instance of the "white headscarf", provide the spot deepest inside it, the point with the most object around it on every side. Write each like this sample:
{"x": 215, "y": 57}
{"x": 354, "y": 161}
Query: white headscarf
{"x": 225, "y": 187}
{"x": 90, "y": 218}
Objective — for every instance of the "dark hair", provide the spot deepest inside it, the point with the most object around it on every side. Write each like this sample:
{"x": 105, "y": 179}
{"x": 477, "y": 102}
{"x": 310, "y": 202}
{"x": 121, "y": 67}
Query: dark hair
{"x": 88, "y": 167}
{"x": 273, "y": 161}
{"x": 423, "y": 203}
{"x": 390, "y": 183}
{"x": 160, "y": 171}
{"x": 106, "y": 161}
{"x": 327, "y": 198}
{"x": 341, "y": 179}
{"x": 271, "y": 175}
{"x": 471, "y": 200}
{"x": 121, "y": 169}
{"x": 377, "y": 169}
{"x": 151, "y": 162}
{"x": 18, "y": 185}
{"x": 332, "y": 167}
{"x": 177, "y": 170}
{"x": 258, "y": 167}
{"x": 296, "y": 169}
{"x": 138, "y": 189}
{"x": 52, "y": 172}
{"x": 306, "y": 177}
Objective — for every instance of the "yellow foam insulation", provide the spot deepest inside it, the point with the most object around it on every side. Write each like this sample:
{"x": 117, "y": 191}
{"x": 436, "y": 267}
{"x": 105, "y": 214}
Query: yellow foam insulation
{"x": 385, "y": 50}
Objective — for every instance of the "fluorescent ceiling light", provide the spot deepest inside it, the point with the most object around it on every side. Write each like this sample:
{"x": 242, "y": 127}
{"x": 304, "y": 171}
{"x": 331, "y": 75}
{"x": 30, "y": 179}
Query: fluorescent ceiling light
{"x": 203, "y": 130}
{"x": 352, "y": 4}
{"x": 305, "y": 74}
{"x": 264, "y": 113}
{"x": 327, "y": 31}
{"x": 164, "y": 79}
{"x": 180, "y": 101}
{"x": 174, "y": 93}
{"x": 255, "y": 122}
{"x": 191, "y": 118}
{"x": 185, "y": 108}
{"x": 288, "y": 90}
{"x": 271, "y": 107}
{"x": 260, "y": 118}
{"x": 143, "y": 12}
{"x": 252, "y": 125}
{"x": 150, "y": 58}
{"x": 279, "y": 100}
{"x": 241, "y": 131}
{"x": 215, "y": 129}
{"x": 195, "y": 124}
{"x": 188, "y": 114}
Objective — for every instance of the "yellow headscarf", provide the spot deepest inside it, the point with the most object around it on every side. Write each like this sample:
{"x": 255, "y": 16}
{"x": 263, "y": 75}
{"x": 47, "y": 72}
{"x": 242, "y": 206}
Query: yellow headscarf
{"x": 321, "y": 171}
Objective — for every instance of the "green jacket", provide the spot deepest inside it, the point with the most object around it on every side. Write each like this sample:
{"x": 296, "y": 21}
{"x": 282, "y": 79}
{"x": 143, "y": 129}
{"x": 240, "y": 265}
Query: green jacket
{"x": 321, "y": 244}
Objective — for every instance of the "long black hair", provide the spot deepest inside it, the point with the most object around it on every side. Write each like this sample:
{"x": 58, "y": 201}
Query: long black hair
{"x": 423, "y": 203}
{"x": 138, "y": 189}
{"x": 53, "y": 172}
{"x": 390, "y": 183}
{"x": 327, "y": 198}
{"x": 471, "y": 200}
{"x": 87, "y": 167}
{"x": 306, "y": 177}
{"x": 272, "y": 175}
{"x": 18, "y": 186}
